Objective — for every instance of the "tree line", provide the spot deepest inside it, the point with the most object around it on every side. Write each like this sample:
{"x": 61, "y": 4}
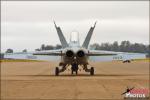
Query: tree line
{"x": 48, "y": 47}
{"x": 124, "y": 46}
{"x": 43, "y": 47}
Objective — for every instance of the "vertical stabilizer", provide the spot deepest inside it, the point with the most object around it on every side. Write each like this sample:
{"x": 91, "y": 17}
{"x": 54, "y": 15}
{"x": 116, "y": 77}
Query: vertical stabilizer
{"x": 61, "y": 36}
{"x": 88, "y": 37}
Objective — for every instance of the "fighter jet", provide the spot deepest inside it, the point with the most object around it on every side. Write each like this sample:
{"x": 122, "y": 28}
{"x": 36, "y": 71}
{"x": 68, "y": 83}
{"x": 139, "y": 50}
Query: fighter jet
{"x": 72, "y": 54}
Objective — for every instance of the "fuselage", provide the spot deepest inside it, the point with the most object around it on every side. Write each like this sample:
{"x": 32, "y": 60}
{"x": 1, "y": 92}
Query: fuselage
{"x": 75, "y": 53}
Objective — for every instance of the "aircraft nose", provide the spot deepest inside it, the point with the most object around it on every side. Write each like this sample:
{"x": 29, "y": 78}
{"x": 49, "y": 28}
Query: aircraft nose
{"x": 75, "y": 57}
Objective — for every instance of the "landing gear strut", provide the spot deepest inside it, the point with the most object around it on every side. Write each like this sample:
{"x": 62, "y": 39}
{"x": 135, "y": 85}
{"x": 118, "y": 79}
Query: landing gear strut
{"x": 62, "y": 69}
{"x": 56, "y": 71}
{"x": 91, "y": 70}
{"x": 74, "y": 68}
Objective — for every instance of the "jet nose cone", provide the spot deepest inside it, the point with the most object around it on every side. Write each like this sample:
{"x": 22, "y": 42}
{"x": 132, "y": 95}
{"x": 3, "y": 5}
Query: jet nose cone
{"x": 75, "y": 57}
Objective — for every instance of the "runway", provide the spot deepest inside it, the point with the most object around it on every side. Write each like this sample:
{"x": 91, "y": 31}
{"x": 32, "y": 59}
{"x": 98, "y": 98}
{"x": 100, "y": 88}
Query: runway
{"x": 36, "y": 80}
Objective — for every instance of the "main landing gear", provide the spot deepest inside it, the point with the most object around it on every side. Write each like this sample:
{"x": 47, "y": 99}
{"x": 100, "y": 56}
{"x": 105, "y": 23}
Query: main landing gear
{"x": 56, "y": 71}
{"x": 74, "y": 68}
{"x": 62, "y": 69}
{"x": 91, "y": 70}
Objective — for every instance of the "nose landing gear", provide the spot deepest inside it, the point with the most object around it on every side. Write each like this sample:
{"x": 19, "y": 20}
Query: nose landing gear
{"x": 91, "y": 70}
{"x": 74, "y": 68}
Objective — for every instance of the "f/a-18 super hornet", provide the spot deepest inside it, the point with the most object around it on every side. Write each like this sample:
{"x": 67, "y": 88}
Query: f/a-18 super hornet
{"x": 73, "y": 54}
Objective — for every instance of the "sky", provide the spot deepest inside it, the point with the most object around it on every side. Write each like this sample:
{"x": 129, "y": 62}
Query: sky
{"x": 28, "y": 24}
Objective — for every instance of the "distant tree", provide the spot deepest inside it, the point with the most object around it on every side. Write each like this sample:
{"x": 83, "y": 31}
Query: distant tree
{"x": 139, "y": 48}
{"x": 95, "y": 46}
{"x": 46, "y": 47}
{"x": 122, "y": 46}
{"x": 9, "y": 50}
{"x": 25, "y": 50}
{"x": 49, "y": 47}
{"x": 115, "y": 46}
{"x": 37, "y": 49}
{"x": 102, "y": 46}
{"x": 125, "y": 46}
{"x": 105, "y": 46}
{"x": 58, "y": 46}
{"x": 42, "y": 47}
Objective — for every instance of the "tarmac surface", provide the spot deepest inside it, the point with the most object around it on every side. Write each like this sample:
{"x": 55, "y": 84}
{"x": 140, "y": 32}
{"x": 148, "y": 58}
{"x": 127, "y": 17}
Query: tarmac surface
{"x": 36, "y": 80}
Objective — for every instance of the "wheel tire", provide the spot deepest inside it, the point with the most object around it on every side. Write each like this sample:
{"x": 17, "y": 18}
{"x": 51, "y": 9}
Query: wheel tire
{"x": 56, "y": 71}
{"x": 92, "y": 71}
{"x": 76, "y": 72}
{"x": 72, "y": 72}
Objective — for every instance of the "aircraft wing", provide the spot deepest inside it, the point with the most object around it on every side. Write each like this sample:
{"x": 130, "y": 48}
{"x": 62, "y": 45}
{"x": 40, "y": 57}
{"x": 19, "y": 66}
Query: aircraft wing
{"x": 49, "y": 52}
{"x": 100, "y": 55}
{"x": 46, "y": 55}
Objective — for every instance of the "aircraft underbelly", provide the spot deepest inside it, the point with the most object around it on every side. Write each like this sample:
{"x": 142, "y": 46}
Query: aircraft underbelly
{"x": 69, "y": 60}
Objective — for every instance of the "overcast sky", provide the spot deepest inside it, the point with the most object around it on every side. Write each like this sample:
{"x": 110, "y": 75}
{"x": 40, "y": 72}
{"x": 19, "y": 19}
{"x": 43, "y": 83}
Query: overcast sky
{"x": 28, "y": 24}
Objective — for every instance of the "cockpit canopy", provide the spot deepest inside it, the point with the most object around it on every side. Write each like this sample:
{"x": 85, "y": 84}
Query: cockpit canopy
{"x": 74, "y": 38}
